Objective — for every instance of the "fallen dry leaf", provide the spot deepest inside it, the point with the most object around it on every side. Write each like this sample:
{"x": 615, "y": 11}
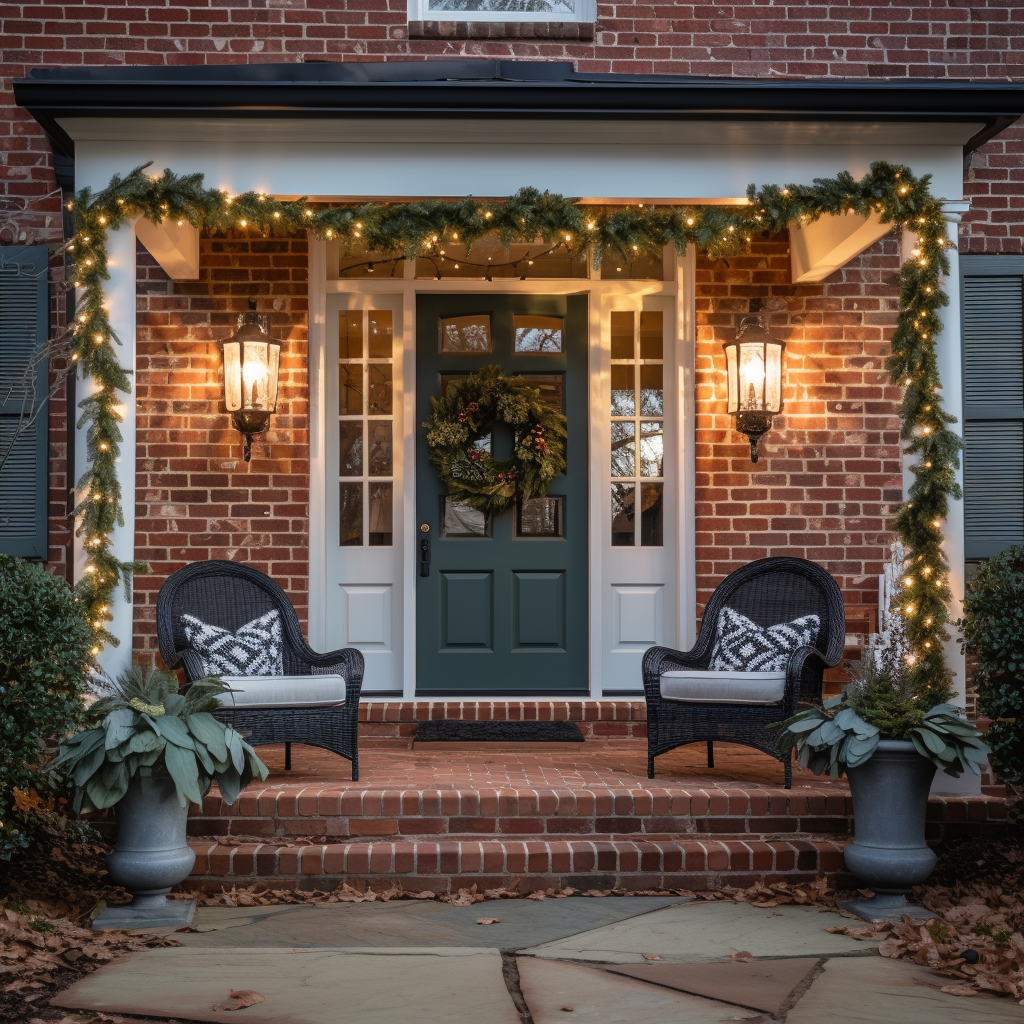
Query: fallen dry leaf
{"x": 488, "y": 920}
{"x": 239, "y": 999}
{"x": 742, "y": 957}
{"x": 650, "y": 956}
{"x": 959, "y": 990}
{"x": 566, "y": 1009}
{"x": 865, "y": 932}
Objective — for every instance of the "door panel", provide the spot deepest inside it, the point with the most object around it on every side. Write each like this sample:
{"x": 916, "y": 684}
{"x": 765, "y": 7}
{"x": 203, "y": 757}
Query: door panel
{"x": 504, "y": 607}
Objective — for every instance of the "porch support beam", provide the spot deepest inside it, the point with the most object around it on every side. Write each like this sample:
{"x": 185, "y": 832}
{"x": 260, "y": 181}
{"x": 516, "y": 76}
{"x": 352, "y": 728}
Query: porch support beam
{"x": 949, "y": 356}
{"x": 818, "y": 249}
{"x": 175, "y": 247}
{"x": 120, "y": 306}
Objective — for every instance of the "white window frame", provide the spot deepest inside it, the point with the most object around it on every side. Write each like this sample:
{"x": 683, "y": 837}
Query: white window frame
{"x": 583, "y": 11}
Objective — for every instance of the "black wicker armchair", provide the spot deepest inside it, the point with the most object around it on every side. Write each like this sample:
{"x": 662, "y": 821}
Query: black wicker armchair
{"x": 229, "y": 595}
{"x": 768, "y": 591}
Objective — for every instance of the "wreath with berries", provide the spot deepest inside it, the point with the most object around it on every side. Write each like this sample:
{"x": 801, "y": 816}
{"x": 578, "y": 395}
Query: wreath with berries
{"x": 463, "y": 417}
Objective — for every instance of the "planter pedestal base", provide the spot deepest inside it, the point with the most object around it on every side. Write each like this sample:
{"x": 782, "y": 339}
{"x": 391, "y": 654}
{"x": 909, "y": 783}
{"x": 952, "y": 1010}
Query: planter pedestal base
{"x": 887, "y": 907}
{"x": 147, "y": 912}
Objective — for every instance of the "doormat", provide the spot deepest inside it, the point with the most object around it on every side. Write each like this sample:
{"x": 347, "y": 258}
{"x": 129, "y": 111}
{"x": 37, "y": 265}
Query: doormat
{"x": 453, "y": 731}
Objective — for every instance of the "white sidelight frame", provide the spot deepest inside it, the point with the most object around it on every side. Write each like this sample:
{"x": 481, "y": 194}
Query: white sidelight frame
{"x": 673, "y": 295}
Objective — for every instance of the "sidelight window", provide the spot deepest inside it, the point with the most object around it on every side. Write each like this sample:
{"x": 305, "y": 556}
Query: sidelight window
{"x": 637, "y": 429}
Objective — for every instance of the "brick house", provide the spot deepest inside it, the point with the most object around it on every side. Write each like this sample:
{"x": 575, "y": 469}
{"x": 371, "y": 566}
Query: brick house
{"x": 669, "y": 104}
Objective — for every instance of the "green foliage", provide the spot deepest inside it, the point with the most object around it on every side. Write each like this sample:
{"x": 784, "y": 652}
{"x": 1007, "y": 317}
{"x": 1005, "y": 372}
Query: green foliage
{"x": 468, "y": 411}
{"x": 885, "y": 700}
{"x": 147, "y": 725}
{"x": 409, "y": 230}
{"x": 45, "y": 658}
{"x": 992, "y": 629}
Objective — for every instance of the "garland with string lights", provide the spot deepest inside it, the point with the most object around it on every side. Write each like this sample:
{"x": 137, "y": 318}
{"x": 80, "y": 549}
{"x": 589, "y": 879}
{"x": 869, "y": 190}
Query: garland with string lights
{"x": 424, "y": 229}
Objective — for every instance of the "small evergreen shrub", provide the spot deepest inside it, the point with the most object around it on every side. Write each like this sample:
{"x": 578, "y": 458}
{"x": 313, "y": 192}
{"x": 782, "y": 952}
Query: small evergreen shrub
{"x": 45, "y": 658}
{"x": 992, "y": 629}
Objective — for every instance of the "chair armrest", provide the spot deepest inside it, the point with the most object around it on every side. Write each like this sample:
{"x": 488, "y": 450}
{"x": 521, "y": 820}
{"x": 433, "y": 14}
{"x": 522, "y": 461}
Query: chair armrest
{"x": 665, "y": 659}
{"x": 348, "y": 662}
{"x": 805, "y": 673}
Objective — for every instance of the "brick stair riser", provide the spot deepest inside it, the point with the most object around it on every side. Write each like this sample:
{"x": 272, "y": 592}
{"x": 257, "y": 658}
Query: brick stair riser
{"x": 395, "y": 711}
{"x": 440, "y": 865}
{"x": 305, "y": 812}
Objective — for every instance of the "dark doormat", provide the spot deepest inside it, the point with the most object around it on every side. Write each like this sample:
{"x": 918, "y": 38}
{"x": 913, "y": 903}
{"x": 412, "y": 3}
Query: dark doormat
{"x": 453, "y": 731}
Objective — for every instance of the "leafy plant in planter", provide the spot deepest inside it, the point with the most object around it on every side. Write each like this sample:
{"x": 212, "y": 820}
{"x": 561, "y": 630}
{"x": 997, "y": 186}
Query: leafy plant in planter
{"x": 145, "y": 726}
{"x": 992, "y": 629}
{"x": 883, "y": 702}
{"x": 46, "y": 652}
{"x": 888, "y": 731}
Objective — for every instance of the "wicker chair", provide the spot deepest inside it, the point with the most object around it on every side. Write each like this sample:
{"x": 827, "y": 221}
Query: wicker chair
{"x": 228, "y": 595}
{"x": 768, "y": 591}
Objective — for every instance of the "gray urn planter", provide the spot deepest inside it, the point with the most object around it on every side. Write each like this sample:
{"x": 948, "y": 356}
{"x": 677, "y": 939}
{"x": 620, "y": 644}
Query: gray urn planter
{"x": 890, "y": 801}
{"x": 151, "y": 855}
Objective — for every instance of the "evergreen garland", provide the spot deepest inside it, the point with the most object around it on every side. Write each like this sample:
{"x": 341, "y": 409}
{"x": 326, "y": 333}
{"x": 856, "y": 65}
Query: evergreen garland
{"x": 409, "y": 230}
{"x": 467, "y": 412}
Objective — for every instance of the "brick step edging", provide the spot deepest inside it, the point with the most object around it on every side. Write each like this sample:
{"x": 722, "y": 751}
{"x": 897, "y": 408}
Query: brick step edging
{"x": 418, "y": 865}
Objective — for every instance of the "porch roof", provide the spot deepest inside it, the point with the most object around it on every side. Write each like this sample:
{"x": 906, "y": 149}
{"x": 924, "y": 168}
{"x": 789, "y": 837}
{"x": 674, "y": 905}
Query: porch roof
{"x": 498, "y": 89}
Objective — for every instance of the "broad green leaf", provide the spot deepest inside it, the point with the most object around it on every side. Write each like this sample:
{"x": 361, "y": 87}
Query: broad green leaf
{"x": 209, "y": 732}
{"x": 204, "y": 756}
{"x": 175, "y": 730}
{"x": 936, "y": 744}
{"x": 182, "y": 767}
{"x": 915, "y": 738}
{"x": 235, "y": 748}
{"x": 145, "y": 740}
{"x": 88, "y": 765}
{"x": 119, "y": 725}
{"x": 173, "y": 703}
{"x": 230, "y": 784}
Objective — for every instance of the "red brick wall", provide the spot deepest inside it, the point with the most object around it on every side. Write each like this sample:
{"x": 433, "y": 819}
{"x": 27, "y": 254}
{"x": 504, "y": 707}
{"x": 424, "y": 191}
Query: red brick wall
{"x": 767, "y": 506}
{"x": 830, "y": 468}
{"x": 195, "y": 496}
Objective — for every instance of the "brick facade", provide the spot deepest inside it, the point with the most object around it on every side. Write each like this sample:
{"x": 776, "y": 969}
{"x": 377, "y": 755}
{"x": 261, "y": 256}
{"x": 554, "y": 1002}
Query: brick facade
{"x": 831, "y": 468}
{"x": 195, "y": 496}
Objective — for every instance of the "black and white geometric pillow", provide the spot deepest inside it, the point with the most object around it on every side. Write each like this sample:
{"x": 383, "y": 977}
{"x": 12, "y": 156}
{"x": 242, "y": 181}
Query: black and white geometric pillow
{"x": 744, "y": 646}
{"x": 254, "y": 649}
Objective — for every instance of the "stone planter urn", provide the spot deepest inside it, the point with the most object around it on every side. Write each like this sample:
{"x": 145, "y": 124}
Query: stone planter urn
{"x": 151, "y": 855}
{"x": 888, "y": 852}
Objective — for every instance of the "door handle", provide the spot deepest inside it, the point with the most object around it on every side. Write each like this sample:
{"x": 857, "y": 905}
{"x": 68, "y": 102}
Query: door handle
{"x": 424, "y": 552}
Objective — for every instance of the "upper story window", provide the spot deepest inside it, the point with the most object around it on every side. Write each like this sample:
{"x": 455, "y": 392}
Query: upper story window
{"x": 502, "y": 10}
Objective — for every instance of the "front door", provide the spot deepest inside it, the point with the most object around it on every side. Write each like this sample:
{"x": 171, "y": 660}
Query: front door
{"x": 502, "y": 601}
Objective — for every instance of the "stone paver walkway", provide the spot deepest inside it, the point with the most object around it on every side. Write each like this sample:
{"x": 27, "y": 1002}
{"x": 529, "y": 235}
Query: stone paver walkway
{"x": 602, "y": 961}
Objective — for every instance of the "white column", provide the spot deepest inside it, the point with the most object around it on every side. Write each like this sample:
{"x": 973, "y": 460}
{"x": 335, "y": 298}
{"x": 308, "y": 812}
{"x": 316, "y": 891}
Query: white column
{"x": 949, "y": 357}
{"x": 120, "y": 306}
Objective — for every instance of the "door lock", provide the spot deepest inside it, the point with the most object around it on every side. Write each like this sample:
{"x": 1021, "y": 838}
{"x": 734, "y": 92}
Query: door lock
{"x": 425, "y": 551}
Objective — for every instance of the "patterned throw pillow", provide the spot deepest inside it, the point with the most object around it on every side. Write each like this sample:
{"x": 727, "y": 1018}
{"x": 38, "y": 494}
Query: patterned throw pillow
{"x": 743, "y": 645}
{"x": 252, "y": 650}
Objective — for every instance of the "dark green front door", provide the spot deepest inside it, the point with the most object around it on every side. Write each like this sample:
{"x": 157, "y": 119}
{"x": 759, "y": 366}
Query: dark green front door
{"x": 502, "y": 607}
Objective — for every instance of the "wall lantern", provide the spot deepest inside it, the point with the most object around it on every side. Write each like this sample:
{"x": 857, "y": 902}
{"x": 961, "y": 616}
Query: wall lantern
{"x": 251, "y": 362}
{"x": 754, "y": 364}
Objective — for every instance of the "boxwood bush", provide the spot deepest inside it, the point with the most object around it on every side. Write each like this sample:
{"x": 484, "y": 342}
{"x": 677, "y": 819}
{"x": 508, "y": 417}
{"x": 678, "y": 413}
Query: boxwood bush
{"x": 45, "y": 658}
{"x": 992, "y": 629}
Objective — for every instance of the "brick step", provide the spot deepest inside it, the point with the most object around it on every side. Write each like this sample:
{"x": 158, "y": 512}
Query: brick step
{"x": 343, "y": 810}
{"x": 441, "y": 864}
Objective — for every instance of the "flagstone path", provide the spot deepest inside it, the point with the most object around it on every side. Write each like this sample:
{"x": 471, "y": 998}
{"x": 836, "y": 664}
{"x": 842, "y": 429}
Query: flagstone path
{"x": 649, "y": 960}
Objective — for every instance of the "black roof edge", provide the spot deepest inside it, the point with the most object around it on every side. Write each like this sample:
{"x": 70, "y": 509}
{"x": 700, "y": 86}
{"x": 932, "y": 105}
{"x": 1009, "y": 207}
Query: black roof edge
{"x": 496, "y": 89}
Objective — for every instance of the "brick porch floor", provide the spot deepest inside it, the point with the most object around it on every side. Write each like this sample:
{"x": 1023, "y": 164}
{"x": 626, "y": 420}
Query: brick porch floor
{"x": 590, "y": 818}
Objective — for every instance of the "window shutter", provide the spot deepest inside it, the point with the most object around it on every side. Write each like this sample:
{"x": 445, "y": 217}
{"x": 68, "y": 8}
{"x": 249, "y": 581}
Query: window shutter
{"x": 24, "y": 329}
{"x": 993, "y": 340}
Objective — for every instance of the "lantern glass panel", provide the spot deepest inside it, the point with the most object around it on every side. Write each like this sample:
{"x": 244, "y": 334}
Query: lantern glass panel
{"x": 752, "y": 375}
{"x": 233, "y": 375}
{"x": 773, "y": 378}
{"x": 732, "y": 376}
{"x": 255, "y": 375}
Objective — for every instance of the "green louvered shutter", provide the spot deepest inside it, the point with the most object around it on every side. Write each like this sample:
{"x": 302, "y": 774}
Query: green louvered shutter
{"x": 993, "y": 338}
{"x": 24, "y": 328}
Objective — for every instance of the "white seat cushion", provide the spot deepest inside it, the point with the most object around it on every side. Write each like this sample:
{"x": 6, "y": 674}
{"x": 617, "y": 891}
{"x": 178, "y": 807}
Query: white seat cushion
{"x": 710, "y": 687}
{"x": 324, "y": 691}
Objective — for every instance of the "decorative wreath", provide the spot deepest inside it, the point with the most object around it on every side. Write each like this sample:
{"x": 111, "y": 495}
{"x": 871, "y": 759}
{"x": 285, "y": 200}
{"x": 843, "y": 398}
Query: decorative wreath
{"x": 467, "y": 412}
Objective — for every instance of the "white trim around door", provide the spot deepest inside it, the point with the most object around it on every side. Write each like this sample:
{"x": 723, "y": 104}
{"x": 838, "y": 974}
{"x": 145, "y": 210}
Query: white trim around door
{"x": 363, "y": 594}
